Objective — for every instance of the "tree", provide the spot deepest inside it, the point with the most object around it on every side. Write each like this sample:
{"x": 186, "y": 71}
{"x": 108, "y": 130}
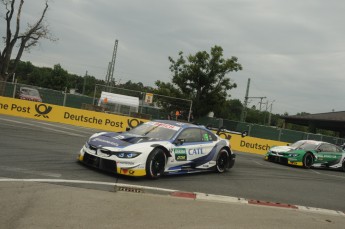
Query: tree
{"x": 135, "y": 86}
{"x": 202, "y": 78}
{"x": 231, "y": 110}
{"x": 25, "y": 40}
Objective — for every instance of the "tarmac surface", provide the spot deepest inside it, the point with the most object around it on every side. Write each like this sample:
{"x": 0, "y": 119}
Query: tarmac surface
{"x": 47, "y": 205}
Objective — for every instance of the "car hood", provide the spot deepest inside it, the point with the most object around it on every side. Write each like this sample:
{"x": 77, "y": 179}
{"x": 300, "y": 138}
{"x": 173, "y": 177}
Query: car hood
{"x": 281, "y": 149}
{"x": 111, "y": 139}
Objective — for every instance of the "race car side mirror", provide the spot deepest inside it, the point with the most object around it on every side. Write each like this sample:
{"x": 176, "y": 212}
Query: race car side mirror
{"x": 244, "y": 134}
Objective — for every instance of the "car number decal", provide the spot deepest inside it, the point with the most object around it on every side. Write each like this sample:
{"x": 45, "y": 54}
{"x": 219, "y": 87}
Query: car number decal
{"x": 180, "y": 154}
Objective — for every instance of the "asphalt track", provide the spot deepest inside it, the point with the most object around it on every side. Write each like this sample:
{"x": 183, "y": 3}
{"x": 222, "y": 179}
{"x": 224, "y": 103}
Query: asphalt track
{"x": 31, "y": 149}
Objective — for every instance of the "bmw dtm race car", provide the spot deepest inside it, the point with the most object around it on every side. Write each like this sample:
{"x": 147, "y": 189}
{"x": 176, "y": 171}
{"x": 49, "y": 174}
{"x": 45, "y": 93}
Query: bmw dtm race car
{"x": 308, "y": 153}
{"x": 158, "y": 147}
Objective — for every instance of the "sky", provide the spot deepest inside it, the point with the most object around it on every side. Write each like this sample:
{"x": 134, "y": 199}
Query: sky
{"x": 293, "y": 51}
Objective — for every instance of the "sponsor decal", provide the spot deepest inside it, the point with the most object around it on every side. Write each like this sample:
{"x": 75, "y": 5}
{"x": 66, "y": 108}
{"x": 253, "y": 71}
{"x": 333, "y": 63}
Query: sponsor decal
{"x": 132, "y": 172}
{"x": 295, "y": 163}
{"x": 42, "y": 110}
{"x": 133, "y": 123}
{"x": 119, "y": 137}
{"x": 329, "y": 156}
{"x": 180, "y": 154}
{"x": 67, "y": 115}
{"x": 15, "y": 108}
{"x": 254, "y": 145}
{"x": 104, "y": 141}
{"x": 224, "y": 135}
{"x": 197, "y": 151}
{"x": 125, "y": 163}
{"x": 164, "y": 125}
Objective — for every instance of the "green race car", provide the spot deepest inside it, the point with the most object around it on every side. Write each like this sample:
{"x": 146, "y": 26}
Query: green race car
{"x": 308, "y": 153}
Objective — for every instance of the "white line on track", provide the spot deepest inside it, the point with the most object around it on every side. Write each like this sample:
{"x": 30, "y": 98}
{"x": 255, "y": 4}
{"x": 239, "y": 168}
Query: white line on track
{"x": 46, "y": 128}
{"x": 315, "y": 171}
{"x": 343, "y": 177}
{"x": 85, "y": 182}
{"x": 258, "y": 163}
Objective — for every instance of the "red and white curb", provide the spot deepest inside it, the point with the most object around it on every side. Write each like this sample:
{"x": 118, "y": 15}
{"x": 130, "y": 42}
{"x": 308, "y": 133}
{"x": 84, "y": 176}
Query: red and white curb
{"x": 229, "y": 199}
{"x": 189, "y": 195}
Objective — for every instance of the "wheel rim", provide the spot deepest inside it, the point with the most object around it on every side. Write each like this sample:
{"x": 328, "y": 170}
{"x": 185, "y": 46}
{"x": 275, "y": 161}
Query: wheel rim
{"x": 222, "y": 161}
{"x": 308, "y": 160}
{"x": 157, "y": 164}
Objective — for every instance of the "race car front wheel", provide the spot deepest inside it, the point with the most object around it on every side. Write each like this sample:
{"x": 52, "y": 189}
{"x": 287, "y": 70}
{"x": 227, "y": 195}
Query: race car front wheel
{"x": 223, "y": 160}
{"x": 308, "y": 160}
{"x": 155, "y": 164}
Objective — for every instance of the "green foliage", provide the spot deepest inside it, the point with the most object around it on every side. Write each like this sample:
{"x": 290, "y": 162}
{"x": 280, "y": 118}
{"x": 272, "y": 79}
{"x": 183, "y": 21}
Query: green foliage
{"x": 136, "y": 86}
{"x": 202, "y": 78}
{"x": 230, "y": 110}
{"x": 167, "y": 89}
{"x": 55, "y": 78}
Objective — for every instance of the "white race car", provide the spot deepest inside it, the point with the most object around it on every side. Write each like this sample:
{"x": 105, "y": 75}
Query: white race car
{"x": 158, "y": 147}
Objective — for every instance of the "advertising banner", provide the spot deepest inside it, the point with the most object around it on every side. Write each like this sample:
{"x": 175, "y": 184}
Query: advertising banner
{"x": 66, "y": 115}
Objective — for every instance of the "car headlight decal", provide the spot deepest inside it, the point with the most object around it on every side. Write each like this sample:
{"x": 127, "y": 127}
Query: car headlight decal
{"x": 126, "y": 155}
{"x": 293, "y": 155}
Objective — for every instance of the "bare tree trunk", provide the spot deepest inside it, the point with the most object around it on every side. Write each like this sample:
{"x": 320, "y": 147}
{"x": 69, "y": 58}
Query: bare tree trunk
{"x": 27, "y": 39}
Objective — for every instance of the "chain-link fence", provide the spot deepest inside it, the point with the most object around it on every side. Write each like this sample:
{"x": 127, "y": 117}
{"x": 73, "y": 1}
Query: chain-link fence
{"x": 38, "y": 94}
{"x": 146, "y": 105}
{"x": 149, "y": 105}
{"x": 268, "y": 132}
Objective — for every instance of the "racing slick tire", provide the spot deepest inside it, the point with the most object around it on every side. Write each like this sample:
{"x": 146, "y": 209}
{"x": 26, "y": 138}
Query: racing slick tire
{"x": 223, "y": 160}
{"x": 308, "y": 160}
{"x": 155, "y": 164}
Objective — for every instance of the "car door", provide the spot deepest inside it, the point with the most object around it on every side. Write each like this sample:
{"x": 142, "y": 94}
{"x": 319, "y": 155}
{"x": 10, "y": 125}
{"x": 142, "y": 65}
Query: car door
{"x": 194, "y": 147}
{"x": 328, "y": 154}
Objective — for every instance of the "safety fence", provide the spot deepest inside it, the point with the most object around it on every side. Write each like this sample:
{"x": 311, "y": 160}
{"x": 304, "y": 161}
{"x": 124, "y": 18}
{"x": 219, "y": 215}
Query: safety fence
{"x": 268, "y": 132}
{"x": 150, "y": 106}
{"x": 155, "y": 106}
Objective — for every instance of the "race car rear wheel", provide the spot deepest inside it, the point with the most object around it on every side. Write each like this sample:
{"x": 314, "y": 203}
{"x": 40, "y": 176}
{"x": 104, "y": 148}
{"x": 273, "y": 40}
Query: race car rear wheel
{"x": 155, "y": 164}
{"x": 308, "y": 160}
{"x": 223, "y": 160}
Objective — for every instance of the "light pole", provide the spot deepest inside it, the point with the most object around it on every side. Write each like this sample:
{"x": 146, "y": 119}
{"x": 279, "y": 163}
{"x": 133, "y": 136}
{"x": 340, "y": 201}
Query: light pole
{"x": 269, "y": 116}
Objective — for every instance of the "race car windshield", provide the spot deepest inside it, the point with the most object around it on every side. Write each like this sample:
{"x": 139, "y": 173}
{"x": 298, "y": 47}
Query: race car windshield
{"x": 154, "y": 130}
{"x": 304, "y": 145}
